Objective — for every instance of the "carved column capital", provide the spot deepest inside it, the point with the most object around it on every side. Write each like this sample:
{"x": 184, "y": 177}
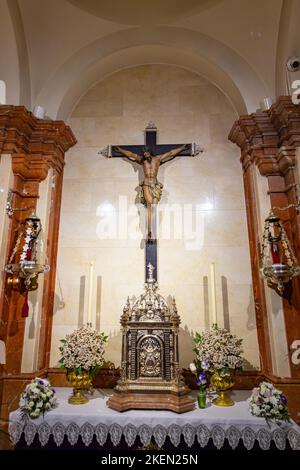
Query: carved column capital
{"x": 286, "y": 119}
{"x": 266, "y": 163}
{"x": 286, "y": 159}
{"x": 43, "y": 141}
{"x": 258, "y": 141}
{"x": 269, "y": 137}
{"x": 238, "y": 136}
{"x": 30, "y": 167}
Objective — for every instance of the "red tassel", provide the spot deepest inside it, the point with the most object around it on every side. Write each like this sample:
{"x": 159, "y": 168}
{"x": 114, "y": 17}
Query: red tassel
{"x": 25, "y": 308}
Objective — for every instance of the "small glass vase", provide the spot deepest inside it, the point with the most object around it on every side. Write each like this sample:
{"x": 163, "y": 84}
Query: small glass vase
{"x": 201, "y": 397}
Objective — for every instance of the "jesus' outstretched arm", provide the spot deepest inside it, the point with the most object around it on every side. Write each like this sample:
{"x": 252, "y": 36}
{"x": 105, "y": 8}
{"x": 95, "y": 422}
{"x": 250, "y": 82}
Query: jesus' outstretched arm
{"x": 166, "y": 157}
{"x": 130, "y": 155}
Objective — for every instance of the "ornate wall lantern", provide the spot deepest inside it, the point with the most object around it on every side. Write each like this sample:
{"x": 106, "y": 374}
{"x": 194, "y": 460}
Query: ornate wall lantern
{"x": 279, "y": 264}
{"x": 23, "y": 274}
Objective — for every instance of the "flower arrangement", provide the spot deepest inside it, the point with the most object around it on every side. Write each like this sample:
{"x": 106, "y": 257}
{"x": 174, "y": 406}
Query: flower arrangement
{"x": 218, "y": 350}
{"x": 202, "y": 379}
{"x": 268, "y": 402}
{"x": 83, "y": 350}
{"x": 37, "y": 398}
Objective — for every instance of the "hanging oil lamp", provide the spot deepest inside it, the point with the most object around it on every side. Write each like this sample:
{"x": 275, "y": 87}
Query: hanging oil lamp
{"x": 279, "y": 264}
{"x": 23, "y": 273}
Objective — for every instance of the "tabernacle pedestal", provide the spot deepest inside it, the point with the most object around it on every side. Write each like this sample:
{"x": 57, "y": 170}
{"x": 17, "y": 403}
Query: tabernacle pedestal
{"x": 150, "y": 374}
{"x": 123, "y": 401}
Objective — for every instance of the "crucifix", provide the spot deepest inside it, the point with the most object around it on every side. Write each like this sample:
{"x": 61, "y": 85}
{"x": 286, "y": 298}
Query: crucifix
{"x": 151, "y": 156}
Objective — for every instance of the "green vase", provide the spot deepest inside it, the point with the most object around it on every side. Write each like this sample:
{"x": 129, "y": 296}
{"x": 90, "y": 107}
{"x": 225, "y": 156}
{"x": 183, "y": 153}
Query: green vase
{"x": 201, "y": 398}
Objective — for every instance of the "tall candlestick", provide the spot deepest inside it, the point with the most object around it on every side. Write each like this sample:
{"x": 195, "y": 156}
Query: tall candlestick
{"x": 90, "y": 298}
{"x": 213, "y": 294}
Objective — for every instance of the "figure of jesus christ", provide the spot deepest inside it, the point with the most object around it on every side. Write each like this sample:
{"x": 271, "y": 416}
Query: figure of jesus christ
{"x": 151, "y": 187}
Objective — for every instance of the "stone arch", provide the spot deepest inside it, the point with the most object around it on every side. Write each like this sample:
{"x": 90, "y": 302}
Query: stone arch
{"x": 9, "y": 64}
{"x": 219, "y": 63}
{"x": 288, "y": 45}
{"x": 22, "y": 53}
{"x": 135, "y": 56}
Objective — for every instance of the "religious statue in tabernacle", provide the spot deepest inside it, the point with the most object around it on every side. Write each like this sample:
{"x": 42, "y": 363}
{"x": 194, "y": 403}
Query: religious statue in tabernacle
{"x": 151, "y": 188}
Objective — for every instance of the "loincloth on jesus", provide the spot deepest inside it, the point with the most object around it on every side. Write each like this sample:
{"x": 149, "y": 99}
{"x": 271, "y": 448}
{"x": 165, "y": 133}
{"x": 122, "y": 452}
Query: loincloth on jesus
{"x": 155, "y": 190}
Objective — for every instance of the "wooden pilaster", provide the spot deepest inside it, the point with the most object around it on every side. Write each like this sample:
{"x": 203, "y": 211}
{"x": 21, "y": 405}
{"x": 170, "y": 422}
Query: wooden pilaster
{"x": 35, "y": 145}
{"x": 269, "y": 140}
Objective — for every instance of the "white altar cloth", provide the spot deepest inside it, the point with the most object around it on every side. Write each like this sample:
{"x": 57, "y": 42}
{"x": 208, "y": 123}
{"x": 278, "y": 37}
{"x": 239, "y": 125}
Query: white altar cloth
{"x": 95, "y": 418}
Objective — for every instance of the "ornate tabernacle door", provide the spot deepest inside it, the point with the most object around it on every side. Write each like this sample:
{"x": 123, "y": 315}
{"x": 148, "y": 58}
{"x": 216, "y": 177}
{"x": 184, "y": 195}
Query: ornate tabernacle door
{"x": 150, "y": 357}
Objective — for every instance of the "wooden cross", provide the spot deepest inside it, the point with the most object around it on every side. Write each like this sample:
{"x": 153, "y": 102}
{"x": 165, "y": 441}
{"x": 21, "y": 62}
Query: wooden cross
{"x": 151, "y": 155}
{"x": 151, "y": 143}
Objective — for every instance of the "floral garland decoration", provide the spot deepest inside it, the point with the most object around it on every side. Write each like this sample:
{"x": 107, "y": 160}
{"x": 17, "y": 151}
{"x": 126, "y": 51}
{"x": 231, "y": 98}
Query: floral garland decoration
{"x": 27, "y": 233}
{"x": 26, "y": 251}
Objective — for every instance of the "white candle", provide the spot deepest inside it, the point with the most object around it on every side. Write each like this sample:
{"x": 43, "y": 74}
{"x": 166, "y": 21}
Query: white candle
{"x": 90, "y": 298}
{"x": 213, "y": 293}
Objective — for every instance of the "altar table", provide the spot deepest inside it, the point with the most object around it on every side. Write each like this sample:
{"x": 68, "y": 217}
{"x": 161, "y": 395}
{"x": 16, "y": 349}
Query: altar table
{"x": 232, "y": 425}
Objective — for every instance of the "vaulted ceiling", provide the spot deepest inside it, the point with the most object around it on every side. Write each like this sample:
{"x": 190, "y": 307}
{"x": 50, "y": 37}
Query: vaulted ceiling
{"x": 137, "y": 12}
{"x": 65, "y": 46}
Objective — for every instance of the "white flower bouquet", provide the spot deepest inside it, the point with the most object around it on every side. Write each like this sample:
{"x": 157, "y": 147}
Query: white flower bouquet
{"x": 218, "y": 350}
{"x": 268, "y": 402}
{"x": 37, "y": 398}
{"x": 83, "y": 350}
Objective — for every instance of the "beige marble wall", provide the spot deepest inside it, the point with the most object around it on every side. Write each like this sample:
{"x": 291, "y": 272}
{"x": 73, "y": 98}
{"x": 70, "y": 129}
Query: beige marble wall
{"x": 276, "y": 322}
{"x": 206, "y": 191}
{"x": 35, "y": 298}
{"x": 6, "y": 182}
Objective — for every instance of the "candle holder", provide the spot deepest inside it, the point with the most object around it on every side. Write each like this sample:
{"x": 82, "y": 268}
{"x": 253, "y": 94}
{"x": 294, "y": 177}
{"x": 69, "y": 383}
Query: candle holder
{"x": 279, "y": 264}
{"x": 23, "y": 268}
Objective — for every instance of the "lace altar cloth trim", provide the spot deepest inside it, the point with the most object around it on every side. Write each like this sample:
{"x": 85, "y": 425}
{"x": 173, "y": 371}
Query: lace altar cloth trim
{"x": 145, "y": 432}
{"x": 233, "y": 424}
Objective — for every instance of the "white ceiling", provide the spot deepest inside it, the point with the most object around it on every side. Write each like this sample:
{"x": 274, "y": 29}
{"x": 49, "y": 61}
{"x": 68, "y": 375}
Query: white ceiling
{"x": 138, "y": 12}
{"x": 72, "y": 44}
